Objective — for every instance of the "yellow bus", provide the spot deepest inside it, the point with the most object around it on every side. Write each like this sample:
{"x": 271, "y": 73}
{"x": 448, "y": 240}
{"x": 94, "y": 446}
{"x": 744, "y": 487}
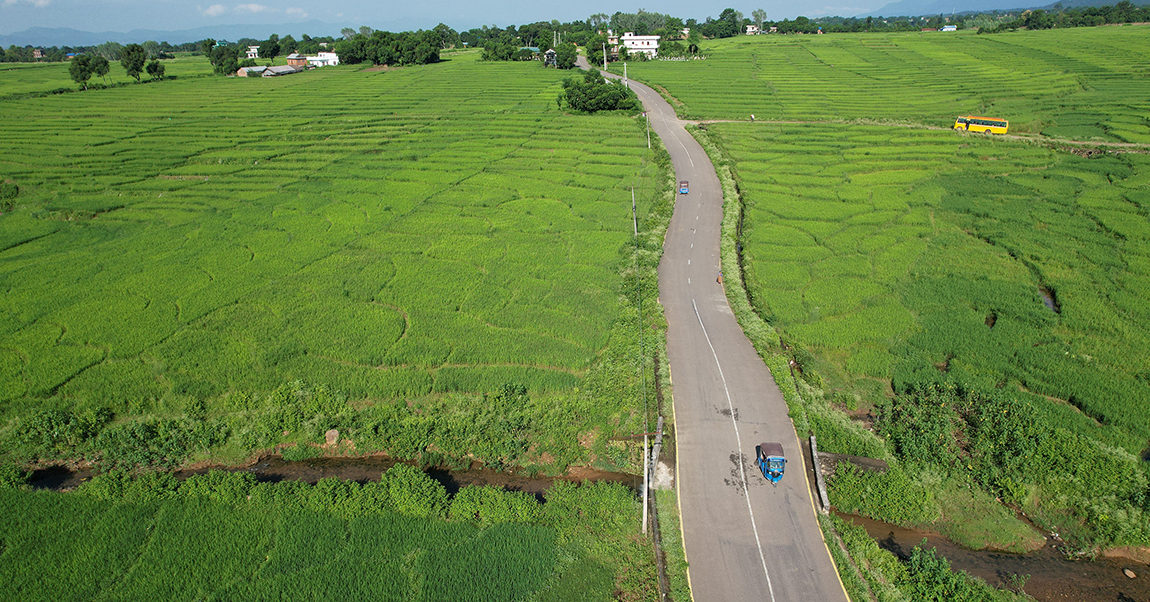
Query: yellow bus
{"x": 989, "y": 125}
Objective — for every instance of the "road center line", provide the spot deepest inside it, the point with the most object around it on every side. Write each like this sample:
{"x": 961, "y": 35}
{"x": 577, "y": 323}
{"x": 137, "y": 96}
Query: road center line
{"x": 680, "y": 141}
{"x": 739, "y": 442}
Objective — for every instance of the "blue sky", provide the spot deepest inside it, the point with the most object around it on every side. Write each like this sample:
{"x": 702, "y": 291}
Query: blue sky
{"x": 166, "y": 15}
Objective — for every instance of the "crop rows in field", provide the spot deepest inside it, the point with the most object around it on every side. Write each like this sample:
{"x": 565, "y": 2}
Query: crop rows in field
{"x": 222, "y": 537}
{"x": 905, "y": 254}
{"x": 1083, "y": 83}
{"x": 386, "y": 234}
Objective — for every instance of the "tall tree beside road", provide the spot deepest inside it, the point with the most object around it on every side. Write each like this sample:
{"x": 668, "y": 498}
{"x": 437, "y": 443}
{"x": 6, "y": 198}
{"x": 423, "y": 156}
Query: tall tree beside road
{"x": 565, "y": 56}
{"x": 133, "y": 58}
{"x": 595, "y": 47}
{"x": 81, "y": 69}
{"x": 206, "y": 47}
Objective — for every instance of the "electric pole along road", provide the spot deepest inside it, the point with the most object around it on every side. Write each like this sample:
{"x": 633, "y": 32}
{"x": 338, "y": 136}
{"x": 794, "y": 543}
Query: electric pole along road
{"x": 745, "y": 538}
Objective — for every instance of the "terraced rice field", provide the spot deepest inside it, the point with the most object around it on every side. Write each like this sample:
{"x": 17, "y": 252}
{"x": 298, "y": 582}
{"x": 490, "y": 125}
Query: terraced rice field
{"x": 1083, "y": 83}
{"x": 385, "y": 234}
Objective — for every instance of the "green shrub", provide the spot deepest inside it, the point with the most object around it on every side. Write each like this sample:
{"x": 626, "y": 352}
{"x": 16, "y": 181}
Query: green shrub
{"x": 595, "y": 93}
{"x": 889, "y": 496}
{"x": 410, "y": 491}
{"x": 929, "y": 578}
{"x": 8, "y": 192}
{"x": 12, "y": 476}
{"x": 488, "y": 505}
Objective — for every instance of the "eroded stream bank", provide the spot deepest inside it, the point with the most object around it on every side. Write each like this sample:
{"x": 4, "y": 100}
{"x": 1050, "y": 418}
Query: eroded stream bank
{"x": 274, "y": 468}
{"x": 1051, "y": 576}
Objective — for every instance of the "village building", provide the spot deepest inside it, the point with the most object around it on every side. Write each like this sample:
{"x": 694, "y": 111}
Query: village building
{"x": 267, "y": 71}
{"x": 323, "y": 59}
{"x": 253, "y": 52}
{"x": 753, "y": 30}
{"x": 648, "y": 45}
{"x": 296, "y": 59}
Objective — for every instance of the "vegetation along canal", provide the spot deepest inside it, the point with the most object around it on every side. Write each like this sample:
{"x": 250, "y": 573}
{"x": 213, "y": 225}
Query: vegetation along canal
{"x": 274, "y": 468}
{"x": 1045, "y": 574}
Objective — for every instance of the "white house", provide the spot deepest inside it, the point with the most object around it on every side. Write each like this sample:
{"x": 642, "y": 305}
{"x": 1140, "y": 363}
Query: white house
{"x": 648, "y": 45}
{"x": 323, "y": 59}
{"x": 753, "y": 30}
{"x": 253, "y": 52}
{"x": 949, "y": 28}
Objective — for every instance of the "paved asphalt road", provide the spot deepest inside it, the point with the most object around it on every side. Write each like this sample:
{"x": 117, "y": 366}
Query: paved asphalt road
{"x": 745, "y": 538}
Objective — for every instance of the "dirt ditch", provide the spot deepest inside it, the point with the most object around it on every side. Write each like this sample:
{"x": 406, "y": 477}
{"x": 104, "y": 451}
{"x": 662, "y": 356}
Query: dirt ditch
{"x": 1051, "y": 576}
{"x": 274, "y": 468}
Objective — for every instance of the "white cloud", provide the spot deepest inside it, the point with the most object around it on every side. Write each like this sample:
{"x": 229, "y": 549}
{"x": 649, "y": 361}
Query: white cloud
{"x": 251, "y": 8}
{"x": 214, "y": 10}
{"x": 296, "y": 12}
{"x": 36, "y": 3}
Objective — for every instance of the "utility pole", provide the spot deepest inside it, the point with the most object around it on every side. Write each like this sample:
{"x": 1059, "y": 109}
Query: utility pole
{"x": 642, "y": 371}
{"x": 648, "y": 116}
{"x": 604, "y": 56}
{"x": 624, "y": 73}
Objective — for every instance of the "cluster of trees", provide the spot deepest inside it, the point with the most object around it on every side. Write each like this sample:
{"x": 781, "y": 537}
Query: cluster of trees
{"x": 565, "y": 53}
{"x": 385, "y": 48}
{"x": 1123, "y": 12}
{"x": 133, "y": 58}
{"x": 542, "y": 34}
{"x": 593, "y": 92}
{"x": 227, "y": 58}
{"x": 108, "y": 50}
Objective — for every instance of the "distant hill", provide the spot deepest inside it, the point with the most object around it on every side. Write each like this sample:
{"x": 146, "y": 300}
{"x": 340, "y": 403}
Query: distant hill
{"x": 946, "y": 7}
{"x": 63, "y": 36}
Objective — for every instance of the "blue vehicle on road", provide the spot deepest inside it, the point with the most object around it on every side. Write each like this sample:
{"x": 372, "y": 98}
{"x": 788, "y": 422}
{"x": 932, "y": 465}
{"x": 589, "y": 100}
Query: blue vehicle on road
{"x": 684, "y": 187}
{"x": 771, "y": 461}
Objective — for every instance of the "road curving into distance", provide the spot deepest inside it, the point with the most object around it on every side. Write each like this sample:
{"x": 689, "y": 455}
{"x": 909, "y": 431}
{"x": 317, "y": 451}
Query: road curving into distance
{"x": 745, "y": 538}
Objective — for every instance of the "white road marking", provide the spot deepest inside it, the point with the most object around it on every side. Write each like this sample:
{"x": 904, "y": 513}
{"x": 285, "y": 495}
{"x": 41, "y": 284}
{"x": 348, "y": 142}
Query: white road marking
{"x": 688, "y": 262}
{"x": 685, "y": 150}
{"x": 739, "y": 442}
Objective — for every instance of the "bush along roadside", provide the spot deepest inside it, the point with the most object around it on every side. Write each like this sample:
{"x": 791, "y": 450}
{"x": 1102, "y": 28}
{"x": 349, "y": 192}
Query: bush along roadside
{"x": 895, "y": 496}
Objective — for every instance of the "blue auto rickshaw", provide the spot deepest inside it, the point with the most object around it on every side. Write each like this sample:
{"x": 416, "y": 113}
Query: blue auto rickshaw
{"x": 771, "y": 461}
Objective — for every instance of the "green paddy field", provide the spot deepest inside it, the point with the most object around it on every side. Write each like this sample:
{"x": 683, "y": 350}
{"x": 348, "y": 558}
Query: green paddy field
{"x": 184, "y": 248}
{"x": 435, "y": 261}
